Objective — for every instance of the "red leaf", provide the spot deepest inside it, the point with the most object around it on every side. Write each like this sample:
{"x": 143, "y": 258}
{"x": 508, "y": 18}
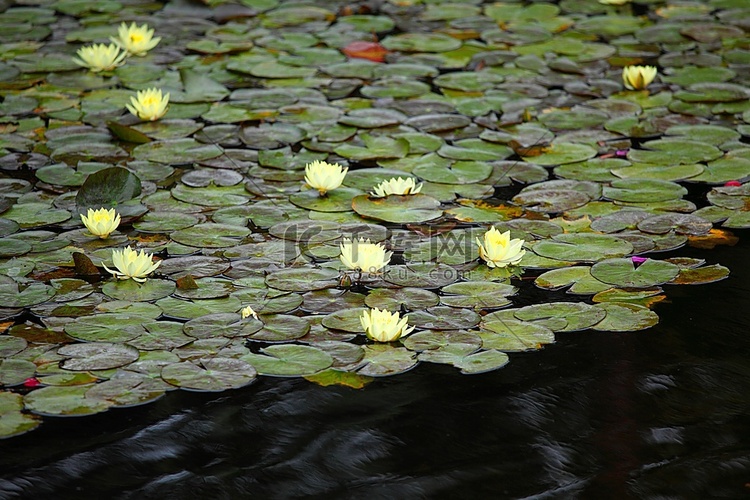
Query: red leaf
{"x": 371, "y": 51}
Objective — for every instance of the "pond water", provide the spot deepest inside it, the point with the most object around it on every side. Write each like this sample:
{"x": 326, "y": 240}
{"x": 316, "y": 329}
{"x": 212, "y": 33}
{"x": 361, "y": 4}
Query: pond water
{"x": 661, "y": 413}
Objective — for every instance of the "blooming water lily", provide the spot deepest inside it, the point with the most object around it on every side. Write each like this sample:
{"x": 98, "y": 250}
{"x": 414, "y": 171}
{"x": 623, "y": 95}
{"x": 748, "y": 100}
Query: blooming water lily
{"x": 101, "y": 222}
{"x": 99, "y": 57}
{"x": 324, "y": 176}
{"x": 397, "y": 186}
{"x": 498, "y": 250}
{"x": 136, "y": 40}
{"x": 149, "y": 104}
{"x": 132, "y": 265}
{"x": 363, "y": 255}
{"x": 638, "y": 77}
{"x": 248, "y": 312}
{"x": 384, "y": 326}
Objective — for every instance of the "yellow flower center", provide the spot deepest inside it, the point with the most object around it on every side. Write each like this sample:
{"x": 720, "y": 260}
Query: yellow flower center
{"x": 149, "y": 101}
{"x": 136, "y": 37}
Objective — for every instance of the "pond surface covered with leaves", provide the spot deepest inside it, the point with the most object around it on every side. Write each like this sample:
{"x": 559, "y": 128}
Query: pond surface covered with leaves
{"x": 511, "y": 115}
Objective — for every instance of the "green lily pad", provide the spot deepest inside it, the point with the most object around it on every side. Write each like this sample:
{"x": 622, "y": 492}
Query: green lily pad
{"x": 383, "y": 360}
{"x": 106, "y": 328}
{"x": 582, "y": 247}
{"x": 560, "y": 153}
{"x": 477, "y": 294}
{"x": 152, "y": 289}
{"x": 281, "y": 328}
{"x": 64, "y": 401}
{"x": 303, "y": 279}
{"x": 514, "y": 336}
{"x": 481, "y": 362}
{"x": 12, "y": 421}
{"x": 15, "y": 371}
{"x": 108, "y": 188}
{"x": 643, "y": 190}
{"x": 674, "y": 151}
{"x": 176, "y": 151}
{"x": 393, "y": 299}
{"x": 183, "y": 309}
{"x": 421, "y": 42}
{"x": 96, "y": 356}
{"x": 127, "y": 389}
{"x": 289, "y": 360}
{"x": 459, "y": 342}
{"x": 24, "y": 294}
{"x": 211, "y": 235}
{"x": 374, "y": 148}
{"x": 624, "y": 273}
{"x": 577, "y": 315}
{"x": 210, "y": 374}
{"x": 399, "y": 209}
{"x": 338, "y": 200}
{"x": 578, "y": 278}
{"x": 679, "y": 223}
{"x": 221, "y": 324}
{"x": 34, "y": 214}
{"x": 346, "y": 320}
{"x": 426, "y": 275}
{"x": 460, "y": 172}
{"x": 444, "y": 318}
{"x": 161, "y": 335}
{"x": 625, "y": 317}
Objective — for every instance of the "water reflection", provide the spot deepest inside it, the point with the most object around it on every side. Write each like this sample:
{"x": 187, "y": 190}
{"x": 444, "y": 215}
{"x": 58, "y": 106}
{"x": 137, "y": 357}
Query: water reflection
{"x": 655, "y": 414}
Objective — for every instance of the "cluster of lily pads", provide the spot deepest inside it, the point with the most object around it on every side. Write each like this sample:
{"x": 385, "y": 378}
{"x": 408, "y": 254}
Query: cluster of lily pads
{"x": 476, "y": 147}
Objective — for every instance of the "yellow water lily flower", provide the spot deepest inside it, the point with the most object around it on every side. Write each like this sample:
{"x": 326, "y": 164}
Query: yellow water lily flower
{"x": 248, "y": 312}
{"x": 397, "y": 186}
{"x": 132, "y": 265}
{"x": 638, "y": 77}
{"x": 498, "y": 250}
{"x": 136, "y": 40}
{"x": 101, "y": 222}
{"x": 324, "y": 176}
{"x": 149, "y": 104}
{"x": 99, "y": 57}
{"x": 384, "y": 326}
{"x": 363, "y": 255}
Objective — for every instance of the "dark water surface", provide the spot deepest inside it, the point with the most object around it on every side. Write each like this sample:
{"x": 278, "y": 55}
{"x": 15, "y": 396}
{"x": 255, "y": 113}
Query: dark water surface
{"x": 661, "y": 413}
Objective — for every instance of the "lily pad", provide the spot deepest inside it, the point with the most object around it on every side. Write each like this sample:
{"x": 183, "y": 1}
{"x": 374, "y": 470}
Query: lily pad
{"x": 582, "y": 247}
{"x": 625, "y": 317}
{"x": 399, "y": 209}
{"x": 386, "y": 360}
{"x": 210, "y": 374}
{"x": 289, "y": 360}
{"x": 96, "y": 356}
{"x": 64, "y": 401}
{"x": 152, "y": 289}
{"x": 624, "y": 273}
{"x": 577, "y": 315}
{"x": 12, "y": 421}
{"x": 514, "y": 336}
{"x": 481, "y": 362}
{"x": 444, "y": 318}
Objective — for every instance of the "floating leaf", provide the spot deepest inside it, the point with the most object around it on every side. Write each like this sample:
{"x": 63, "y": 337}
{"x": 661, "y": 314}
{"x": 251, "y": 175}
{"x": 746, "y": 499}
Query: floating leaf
{"x": 386, "y": 360}
{"x": 96, "y": 356}
{"x": 63, "y": 401}
{"x": 625, "y": 317}
{"x": 210, "y": 374}
{"x": 108, "y": 188}
{"x": 289, "y": 360}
